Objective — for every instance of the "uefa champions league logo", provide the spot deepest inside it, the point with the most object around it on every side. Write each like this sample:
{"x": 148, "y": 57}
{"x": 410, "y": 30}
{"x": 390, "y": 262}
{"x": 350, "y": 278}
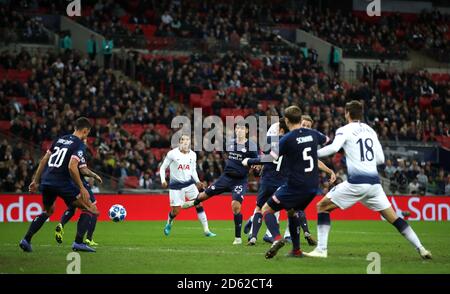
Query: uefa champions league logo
{"x": 74, "y": 8}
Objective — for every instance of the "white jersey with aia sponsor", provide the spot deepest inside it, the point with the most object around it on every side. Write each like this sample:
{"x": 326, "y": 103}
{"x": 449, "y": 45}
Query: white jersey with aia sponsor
{"x": 183, "y": 168}
{"x": 363, "y": 152}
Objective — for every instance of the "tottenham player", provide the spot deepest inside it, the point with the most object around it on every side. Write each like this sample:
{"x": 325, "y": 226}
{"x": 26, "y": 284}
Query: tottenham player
{"x": 299, "y": 151}
{"x": 70, "y": 211}
{"x": 62, "y": 178}
{"x": 182, "y": 162}
{"x": 234, "y": 177}
{"x": 363, "y": 153}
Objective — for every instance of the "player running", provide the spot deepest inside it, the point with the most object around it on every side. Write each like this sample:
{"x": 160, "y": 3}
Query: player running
{"x": 182, "y": 162}
{"x": 62, "y": 178}
{"x": 299, "y": 151}
{"x": 234, "y": 177}
{"x": 70, "y": 211}
{"x": 363, "y": 153}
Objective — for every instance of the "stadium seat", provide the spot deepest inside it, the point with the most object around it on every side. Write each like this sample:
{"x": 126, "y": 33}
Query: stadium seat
{"x": 5, "y": 125}
{"x": 46, "y": 145}
{"x": 162, "y": 129}
{"x": 134, "y": 129}
{"x": 131, "y": 182}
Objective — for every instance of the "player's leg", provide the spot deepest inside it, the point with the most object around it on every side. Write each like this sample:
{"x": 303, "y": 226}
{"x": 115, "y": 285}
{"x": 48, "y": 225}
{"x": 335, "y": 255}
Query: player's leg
{"x": 237, "y": 193}
{"x": 84, "y": 220}
{"x": 268, "y": 211}
{"x": 66, "y": 216}
{"x": 377, "y": 201}
{"x": 48, "y": 199}
{"x": 176, "y": 201}
{"x": 249, "y": 223}
{"x": 218, "y": 187}
{"x": 191, "y": 192}
{"x": 255, "y": 224}
{"x": 304, "y": 225}
{"x": 294, "y": 229}
{"x": 90, "y": 232}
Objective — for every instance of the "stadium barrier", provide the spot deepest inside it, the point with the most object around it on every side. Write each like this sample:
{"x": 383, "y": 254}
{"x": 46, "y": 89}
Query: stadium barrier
{"x": 141, "y": 207}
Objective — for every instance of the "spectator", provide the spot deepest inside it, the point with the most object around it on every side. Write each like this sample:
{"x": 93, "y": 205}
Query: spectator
{"x": 423, "y": 180}
{"x": 92, "y": 47}
{"x": 107, "y": 49}
{"x": 145, "y": 181}
{"x": 414, "y": 187}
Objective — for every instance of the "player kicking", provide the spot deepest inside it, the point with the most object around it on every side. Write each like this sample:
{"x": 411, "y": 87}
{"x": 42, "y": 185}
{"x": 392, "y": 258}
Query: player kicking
{"x": 183, "y": 177}
{"x": 62, "y": 178}
{"x": 363, "y": 153}
{"x": 70, "y": 211}
{"x": 299, "y": 151}
{"x": 234, "y": 177}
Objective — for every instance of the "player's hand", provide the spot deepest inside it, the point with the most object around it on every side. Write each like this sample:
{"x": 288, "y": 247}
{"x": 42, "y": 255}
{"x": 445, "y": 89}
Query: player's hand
{"x": 201, "y": 186}
{"x": 93, "y": 209}
{"x": 98, "y": 178}
{"x": 256, "y": 168}
{"x": 164, "y": 184}
{"x": 245, "y": 162}
{"x": 332, "y": 177}
{"x": 85, "y": 194}
{"x": 33, "y": 187}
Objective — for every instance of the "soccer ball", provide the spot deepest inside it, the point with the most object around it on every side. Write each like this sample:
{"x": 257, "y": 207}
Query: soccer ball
{"x": 117, "y": 213}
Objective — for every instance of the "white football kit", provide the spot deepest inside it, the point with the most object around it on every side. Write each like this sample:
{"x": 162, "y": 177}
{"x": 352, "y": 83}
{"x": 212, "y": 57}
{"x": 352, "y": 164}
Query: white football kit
{"x": 183, "y": 175}
{"x": 363, "y": 152}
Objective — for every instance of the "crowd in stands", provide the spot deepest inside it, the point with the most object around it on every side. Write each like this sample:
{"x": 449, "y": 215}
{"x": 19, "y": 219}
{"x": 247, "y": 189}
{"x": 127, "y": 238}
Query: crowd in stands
{"x": 19, "y": 27}
{"x": 131, "y": 118}
{"x": 63, "y": 86}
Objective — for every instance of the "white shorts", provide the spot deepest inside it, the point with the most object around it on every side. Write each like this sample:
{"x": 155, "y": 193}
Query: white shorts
{"x": 346, "y": 195}
{"x": 177, "y": 197}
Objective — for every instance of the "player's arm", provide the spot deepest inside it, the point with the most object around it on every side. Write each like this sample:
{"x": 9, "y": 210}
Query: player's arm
{"x": 85, "y": 171}
{"x": 199, "y": 184}
{"x": 334, "y": 147}
{"x": 274, "y": 154}
{"x": 379, "y": 154}
{"x": 37, "y": 175}
{"x": 162, "y": 169}
{"x": 329, "y": 171}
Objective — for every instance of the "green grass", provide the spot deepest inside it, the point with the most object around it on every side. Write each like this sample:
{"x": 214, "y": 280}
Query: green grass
{"x": 141, "y": 247}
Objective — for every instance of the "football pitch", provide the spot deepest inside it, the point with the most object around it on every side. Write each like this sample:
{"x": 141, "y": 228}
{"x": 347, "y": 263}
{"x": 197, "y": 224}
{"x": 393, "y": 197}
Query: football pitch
{"x": 141, "y": 247}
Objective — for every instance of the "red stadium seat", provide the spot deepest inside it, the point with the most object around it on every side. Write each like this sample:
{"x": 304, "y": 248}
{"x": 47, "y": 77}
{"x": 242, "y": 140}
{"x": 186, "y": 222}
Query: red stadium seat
{"x": 131, "y": 182}
{"x": 162, "y": 129}
{"x": 5, "y": 125}
{"x": 134, "y": 129}
{"x": 195, "y": 100}
{"x": 46, "y": 145}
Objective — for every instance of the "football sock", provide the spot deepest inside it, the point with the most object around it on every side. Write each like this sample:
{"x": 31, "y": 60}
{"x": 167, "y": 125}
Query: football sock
{"x": 67, "y": 215}
{"x": 170, "y": 218}
{"x": 91, "y": 228}
{"x": 82, "y": 226}
{"x": 323, "y": 229}
{"x": 272, "y": 225}
{"x": 257, "y": 222}
{"x": 36, "y": 225}
{"x": 407, "y": 232}
{"x": 277, "y": 215}
{"x": 303, "y": 221}
{"x": 294, "y": 229}
{"x": 202, "y": 218}
{"x": 237, "y": 224}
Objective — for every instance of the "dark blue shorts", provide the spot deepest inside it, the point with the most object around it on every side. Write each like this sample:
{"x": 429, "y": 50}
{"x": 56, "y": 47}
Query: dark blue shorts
{"x": 237, "y": 187}
{"x": 264, "y": 193}
{"x": 291, "y": 198}
{"x": 69, "y": 193}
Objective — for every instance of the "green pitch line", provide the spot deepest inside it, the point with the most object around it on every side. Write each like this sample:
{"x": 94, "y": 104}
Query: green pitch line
{"x": 141, "y": 247}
